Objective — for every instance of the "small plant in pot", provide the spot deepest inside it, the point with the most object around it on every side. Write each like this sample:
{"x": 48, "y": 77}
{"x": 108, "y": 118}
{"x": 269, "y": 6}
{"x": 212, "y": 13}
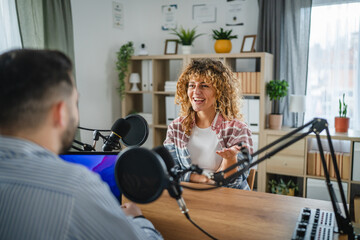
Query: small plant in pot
{"x": 276, "y": 89}
{"x": 289, "y": 188}
{"x": 342, "y": 122}
{"x": 223, "y": 40}
{"x": 186, "y": 38}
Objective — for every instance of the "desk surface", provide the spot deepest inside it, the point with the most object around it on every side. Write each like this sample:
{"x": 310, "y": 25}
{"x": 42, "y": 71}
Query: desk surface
{"x": 229, "y": 214}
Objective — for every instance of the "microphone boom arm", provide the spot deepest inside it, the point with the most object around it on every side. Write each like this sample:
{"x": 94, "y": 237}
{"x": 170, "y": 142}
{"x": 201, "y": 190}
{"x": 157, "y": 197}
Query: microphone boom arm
{"x": 317, "y": 125}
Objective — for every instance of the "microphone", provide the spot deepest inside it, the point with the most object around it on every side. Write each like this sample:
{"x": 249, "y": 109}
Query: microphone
{"x": 118, "y": 130}
{"x": 174, "y": 187}
{"x": 143, "y": 174}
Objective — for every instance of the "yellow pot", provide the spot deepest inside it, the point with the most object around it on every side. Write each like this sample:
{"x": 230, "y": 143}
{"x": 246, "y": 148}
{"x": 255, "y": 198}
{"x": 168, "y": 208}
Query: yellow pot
{"x": 222, "y": 46}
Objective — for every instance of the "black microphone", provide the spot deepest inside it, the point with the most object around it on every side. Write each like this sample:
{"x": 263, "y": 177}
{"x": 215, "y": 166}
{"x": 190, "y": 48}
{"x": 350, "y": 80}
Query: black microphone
{"x": 118, "y": 130}
{"x": 174, "y": 187}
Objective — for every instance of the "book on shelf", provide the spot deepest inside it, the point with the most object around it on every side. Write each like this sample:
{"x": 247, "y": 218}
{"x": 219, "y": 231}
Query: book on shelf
{"x": 346, "y": 166}
{"x": 311, "y": 163}
{"x": 170, "y": 86}
{"x": 251, "y": 113}
{"x": 357, "y": 208}
{"x": 145, "y": 75}
{"x": 172, "y": 109}
{"x": 315, "y": 166}
{"x": 318, "y": 164}
{"x": 250, "y": 82}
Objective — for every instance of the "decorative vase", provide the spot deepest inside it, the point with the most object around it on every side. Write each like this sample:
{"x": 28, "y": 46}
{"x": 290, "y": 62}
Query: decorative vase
{"x": 275, "y": 121}
{"x": 342, "y": 124}
{"x": 186, "y": 49}
{"x": 222, "y": 46}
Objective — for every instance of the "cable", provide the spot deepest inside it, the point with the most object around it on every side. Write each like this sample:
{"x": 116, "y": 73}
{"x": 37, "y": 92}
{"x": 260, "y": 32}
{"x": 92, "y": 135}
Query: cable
{"x": 199, "y": 189}
{"x": 76, "y": 148}
{"x": 90, "y": 129}
{"x": 206, "y": 233}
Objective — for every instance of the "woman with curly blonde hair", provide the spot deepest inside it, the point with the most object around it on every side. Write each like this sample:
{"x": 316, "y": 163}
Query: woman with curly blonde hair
{"x": 210, "y": 126}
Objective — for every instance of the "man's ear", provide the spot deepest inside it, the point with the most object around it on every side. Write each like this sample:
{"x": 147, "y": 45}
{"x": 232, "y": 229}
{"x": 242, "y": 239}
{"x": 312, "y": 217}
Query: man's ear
{"x": 59, "y": 114}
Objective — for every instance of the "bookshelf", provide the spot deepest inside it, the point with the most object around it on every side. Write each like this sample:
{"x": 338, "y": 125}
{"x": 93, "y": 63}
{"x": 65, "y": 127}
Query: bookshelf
{"x": 297, "y": 162}
{"x": 168, "y": 68}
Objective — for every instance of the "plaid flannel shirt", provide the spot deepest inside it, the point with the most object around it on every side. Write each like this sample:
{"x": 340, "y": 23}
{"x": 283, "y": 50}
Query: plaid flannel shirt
{"x": 229, "y": 133}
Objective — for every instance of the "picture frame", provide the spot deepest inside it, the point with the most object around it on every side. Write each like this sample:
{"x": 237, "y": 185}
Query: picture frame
{"x": 248, "y": 44}
{"x": 171, "y": 47}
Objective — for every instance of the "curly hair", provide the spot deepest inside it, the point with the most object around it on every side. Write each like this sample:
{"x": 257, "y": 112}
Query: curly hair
{"x": 228, "y": 91}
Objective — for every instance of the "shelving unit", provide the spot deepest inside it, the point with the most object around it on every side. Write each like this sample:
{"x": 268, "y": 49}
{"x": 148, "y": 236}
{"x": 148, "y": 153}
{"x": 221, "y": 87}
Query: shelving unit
{"x": 293, "y": 161}
{"x": 161, "y": 66}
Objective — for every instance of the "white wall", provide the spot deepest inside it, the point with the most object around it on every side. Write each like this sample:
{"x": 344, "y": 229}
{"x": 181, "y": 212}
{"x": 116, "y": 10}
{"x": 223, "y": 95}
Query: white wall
{"x": 96, "y": 43}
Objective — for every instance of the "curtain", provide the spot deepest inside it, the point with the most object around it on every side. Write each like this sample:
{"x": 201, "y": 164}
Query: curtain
{"x": 9, "y": 30}
{"x": 46, "y": 24}
{"x": 270, "y": 30}
{"x": 334, "y": 60}
{"x": 294, "y": 53}
{"x": 283, "y": 31}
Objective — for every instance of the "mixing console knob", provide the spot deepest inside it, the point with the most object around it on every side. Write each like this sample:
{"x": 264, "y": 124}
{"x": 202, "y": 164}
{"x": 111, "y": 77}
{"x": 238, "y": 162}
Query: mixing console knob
{"x": 305, "y": 217}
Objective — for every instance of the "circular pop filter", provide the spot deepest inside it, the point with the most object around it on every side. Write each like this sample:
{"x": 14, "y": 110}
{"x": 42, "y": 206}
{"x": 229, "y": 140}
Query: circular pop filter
{"x": 140, "y": 174}
{"x": 138, "y": 133}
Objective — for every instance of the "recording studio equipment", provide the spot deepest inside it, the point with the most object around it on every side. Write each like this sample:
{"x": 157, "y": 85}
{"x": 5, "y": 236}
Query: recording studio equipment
{"x": 316, "y": 126}
{"x": 314, "y": 224}
{"x": 119, "y": 129}
{"x": 138, "y": 133}
{"x": 143, "y": 174}
{"x": 133, "y": 130}
{"x": 85, "y": 147}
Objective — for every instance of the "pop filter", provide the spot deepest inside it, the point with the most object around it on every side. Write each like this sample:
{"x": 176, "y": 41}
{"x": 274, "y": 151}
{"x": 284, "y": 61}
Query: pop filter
{"x": 138, "y": 133}
{"x": 141, "y": 174}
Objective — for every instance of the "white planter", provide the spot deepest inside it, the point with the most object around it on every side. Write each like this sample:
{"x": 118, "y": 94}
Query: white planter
{"x": 186, "y": 49}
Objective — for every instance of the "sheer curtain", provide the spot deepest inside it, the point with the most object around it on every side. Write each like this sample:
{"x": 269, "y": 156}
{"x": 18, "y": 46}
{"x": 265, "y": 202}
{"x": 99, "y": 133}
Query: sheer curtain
{"x": 9, "y": 28}
{"x": 333, "y": 67}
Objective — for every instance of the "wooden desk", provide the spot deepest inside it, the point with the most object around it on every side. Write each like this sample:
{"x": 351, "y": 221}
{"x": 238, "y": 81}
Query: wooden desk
{"x": 229, "y": 214}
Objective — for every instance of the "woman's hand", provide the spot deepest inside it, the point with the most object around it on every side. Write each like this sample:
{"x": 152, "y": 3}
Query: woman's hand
{"x": 197, "y": 178}
{"x": 229, "y": 156}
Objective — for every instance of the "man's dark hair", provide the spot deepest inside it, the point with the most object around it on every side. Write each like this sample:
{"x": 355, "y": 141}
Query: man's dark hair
{"x": 30, "y": 83}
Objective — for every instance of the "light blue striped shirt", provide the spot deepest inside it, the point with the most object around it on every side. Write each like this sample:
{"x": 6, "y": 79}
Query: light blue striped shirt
{"x": 44, "y": 197}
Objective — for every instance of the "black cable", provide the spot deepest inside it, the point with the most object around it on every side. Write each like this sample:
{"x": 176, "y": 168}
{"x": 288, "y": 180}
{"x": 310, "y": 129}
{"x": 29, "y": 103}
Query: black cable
{"x": 90, "y": 129}
{"x": 200, "y": 189}
{"x": 206, "y": 233}
{"x": 76, "y": 148}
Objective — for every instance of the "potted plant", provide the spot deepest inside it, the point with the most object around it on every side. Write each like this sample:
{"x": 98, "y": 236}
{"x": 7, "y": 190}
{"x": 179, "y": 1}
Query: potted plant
{"x": 186, "y": 38}
{"x": 123, "y": 57}
{"x": 342, "y": 122}
{"x": 223, "y": 40}
{"x": 289, "y": 188}
{"x": 276, "y": 89}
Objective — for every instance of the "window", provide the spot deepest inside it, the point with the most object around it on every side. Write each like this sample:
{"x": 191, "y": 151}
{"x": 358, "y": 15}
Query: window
{"x": 333, "y": 67}
{"x": 9, "y": 27}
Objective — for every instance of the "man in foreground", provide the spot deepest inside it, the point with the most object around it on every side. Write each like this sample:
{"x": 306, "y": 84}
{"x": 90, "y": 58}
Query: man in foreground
{"x": 41, "y": 196}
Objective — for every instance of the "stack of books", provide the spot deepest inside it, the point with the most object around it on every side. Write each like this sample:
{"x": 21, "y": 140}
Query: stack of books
{"x": 250, "y": 82}
{"x": 170, "y": 86}
{"x": 315, "y": 166}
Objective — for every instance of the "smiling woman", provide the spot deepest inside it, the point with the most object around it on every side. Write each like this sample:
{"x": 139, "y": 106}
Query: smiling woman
{"x": 210, "y": 126}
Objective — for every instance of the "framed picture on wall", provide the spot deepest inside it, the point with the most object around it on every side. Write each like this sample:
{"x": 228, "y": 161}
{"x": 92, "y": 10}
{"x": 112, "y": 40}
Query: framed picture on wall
{"x": 248, "y": 44}
{"x": 171, "y": 46}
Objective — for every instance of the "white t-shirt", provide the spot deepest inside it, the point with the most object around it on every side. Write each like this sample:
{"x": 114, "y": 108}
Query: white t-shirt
{"x": 202, "y": 147}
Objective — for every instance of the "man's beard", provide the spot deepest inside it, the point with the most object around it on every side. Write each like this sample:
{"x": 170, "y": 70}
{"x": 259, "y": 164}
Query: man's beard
{"x": 68, "y": 136}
